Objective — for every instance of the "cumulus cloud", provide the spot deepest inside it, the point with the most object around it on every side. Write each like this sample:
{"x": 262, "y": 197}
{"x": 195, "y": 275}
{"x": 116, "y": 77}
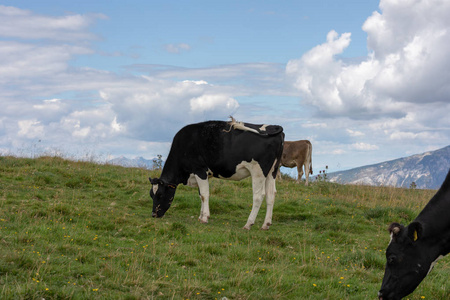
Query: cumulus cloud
{"x": 30, "y": 128}
{"x": 396, "y": 97}
{"x": 93, "y": 107}
{"x": 204, "y": 103}
{"x": 152, "y": 108}
{"x": 406, "y": 64}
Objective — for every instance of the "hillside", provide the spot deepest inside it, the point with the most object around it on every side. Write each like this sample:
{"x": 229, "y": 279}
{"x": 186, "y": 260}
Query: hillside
{"x": 426, "y": 170}
{"x": 80, "y": 230}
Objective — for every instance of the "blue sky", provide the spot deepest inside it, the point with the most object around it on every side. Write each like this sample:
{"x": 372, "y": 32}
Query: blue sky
{"x": 217, "y": 33}
{"x": 364, "y": 81}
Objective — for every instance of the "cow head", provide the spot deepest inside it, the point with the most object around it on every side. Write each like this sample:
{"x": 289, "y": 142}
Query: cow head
{"x": 409, "y": 259}
{"x": 162, "y": 194}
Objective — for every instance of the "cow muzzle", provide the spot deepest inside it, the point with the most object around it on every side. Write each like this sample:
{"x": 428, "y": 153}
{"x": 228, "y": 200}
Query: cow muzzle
{"x": 157, "y": 214}
{"x": 382, "y": 295}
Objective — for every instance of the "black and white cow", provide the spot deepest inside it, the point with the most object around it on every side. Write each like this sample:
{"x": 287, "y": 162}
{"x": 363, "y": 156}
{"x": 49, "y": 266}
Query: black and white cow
{"x": 228, "y": 150}
{"x": 414, "y": 249}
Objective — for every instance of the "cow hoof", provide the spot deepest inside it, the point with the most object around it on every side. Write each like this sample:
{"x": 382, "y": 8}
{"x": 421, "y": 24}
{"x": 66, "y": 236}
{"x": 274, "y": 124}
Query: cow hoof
{"x": 266, "y": 226}
{"x": 248, "y": 226}
{"x": 203, "y": 221}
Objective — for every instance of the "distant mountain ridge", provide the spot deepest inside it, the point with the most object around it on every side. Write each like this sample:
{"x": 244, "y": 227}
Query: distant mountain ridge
{"x": 426, "y": 170}
{"x": 137, "y": 162}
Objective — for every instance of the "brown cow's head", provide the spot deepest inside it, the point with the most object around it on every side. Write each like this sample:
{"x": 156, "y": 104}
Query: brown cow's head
{"x": 409, "y": 259}
{"x": 162, "y": 194}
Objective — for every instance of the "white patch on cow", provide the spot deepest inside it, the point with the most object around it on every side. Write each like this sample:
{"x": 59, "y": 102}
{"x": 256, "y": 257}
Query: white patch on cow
{"x": 263, "y": 128}
{"x": 155, "y": 189}
{"x": 243, "y": 170}
{"x": 392, "y": 237}
{"x": 271, "y": 190}
{"x": 203, "y": 186}
{"x": 192, "y": 181}
{"x": 434, "y": 262}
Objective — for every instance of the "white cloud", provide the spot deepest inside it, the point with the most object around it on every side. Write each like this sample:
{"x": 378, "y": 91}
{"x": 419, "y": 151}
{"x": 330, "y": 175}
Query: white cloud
{"x": 354, "y": 133}
{"x": 196, "y": 81}
{"x": 150, "y": 103}
{"x": 19, "y": 23}
{"x": 116, "y": 126}
{"x": 97, "y": 105}
{"x": 82, "y": 132}
{"x": 241, "y": 79}
{"x": 22, "y": 61}
{"x": 422, "y": 135}
{"x": 364, "y": 147}
{"x": 314, "y": 125}
{"x": 177, "y": 48}
{"x": 407, "y": 64}
{"x": 207, "y": 103}
{"x": 337, "y": 152}
{"x": 30, "y": 129}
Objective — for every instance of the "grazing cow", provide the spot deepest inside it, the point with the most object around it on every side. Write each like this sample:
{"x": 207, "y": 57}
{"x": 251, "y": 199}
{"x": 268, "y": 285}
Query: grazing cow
{"x": 298, "y": 153}
{"x": 228, "y": 150}
{"x": 414, "y": 249}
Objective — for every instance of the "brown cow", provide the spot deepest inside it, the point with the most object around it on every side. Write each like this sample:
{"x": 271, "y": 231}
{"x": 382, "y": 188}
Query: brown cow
{"x": 297, "y": 153}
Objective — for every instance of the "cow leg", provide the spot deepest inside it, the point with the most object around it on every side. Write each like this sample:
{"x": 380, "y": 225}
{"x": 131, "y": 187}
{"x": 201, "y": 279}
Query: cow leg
{"x": 306, "y": 173}
{"x": 300, "y": 173}
{"x": 270, "y": 200}
{"x": 258, "y": 186}
{"x": 203, "y": 188}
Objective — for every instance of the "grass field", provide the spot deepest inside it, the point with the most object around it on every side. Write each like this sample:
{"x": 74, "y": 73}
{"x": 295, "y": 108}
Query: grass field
{"x": 79, "y": 230}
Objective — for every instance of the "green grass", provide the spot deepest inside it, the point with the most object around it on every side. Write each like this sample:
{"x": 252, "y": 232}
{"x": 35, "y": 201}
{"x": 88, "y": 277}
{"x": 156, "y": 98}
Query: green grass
{"x": 79, "y": 230}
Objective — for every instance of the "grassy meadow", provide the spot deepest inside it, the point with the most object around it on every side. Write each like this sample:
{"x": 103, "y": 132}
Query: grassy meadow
{"x": 80, "y": 230}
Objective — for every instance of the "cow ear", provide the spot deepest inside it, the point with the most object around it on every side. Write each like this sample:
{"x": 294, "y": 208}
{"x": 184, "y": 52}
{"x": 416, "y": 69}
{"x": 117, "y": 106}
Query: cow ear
{"x": 395, "y": 229}
{"x": 155, "y": 180}
{"x": 415, "y": 231}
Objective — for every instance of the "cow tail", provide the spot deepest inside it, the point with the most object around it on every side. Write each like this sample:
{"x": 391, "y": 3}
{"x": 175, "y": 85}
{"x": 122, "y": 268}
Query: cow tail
{"x": 310, "y": 159}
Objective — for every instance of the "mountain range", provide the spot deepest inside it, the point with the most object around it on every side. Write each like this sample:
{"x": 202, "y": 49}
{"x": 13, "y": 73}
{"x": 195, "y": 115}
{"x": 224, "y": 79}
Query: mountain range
{"x": 137, "y": 162}
{"x": 424, "y": 171}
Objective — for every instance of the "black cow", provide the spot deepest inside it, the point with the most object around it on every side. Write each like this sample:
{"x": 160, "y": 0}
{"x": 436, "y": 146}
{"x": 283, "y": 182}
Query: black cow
{"x": 414, "y": 249}
{"x": 229, "y": 150}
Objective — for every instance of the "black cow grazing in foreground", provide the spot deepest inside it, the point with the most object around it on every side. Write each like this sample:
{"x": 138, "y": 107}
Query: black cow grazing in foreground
{"x": 414, "y": 249}
{"x": 228, "y": 150}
